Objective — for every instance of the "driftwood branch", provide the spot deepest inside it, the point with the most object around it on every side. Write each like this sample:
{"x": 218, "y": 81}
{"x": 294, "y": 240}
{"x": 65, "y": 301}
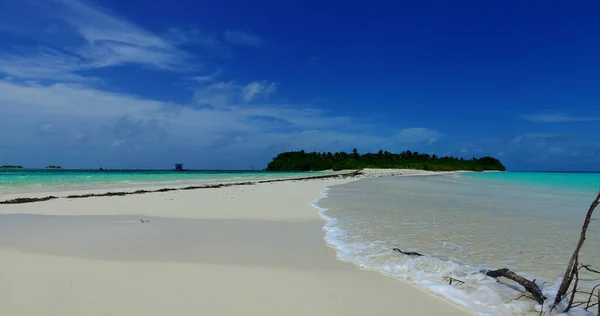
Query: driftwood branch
{"x": 529, "y": 286}
{"x": 571, "y": 274}
{"x": 572, "y": 268}
{"x": 574, "y": 292}
{"x": 408, "y": 253}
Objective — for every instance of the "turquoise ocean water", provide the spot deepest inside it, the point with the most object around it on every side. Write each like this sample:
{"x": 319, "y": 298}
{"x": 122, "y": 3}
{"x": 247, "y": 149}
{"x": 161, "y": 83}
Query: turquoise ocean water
{"x": 28, "y": 180}
{"x": 463, "y": 223}
{"x": 573, "y": 181}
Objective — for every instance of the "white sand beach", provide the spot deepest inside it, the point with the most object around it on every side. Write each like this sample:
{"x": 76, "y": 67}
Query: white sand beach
{"x": 237, "y": 250}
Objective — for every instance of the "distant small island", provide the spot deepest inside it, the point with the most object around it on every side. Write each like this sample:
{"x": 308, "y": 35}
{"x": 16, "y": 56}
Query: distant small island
{"x": 11, "y": 167}
{"x": 53, "y": 167}
{"x": 315, "y": 161}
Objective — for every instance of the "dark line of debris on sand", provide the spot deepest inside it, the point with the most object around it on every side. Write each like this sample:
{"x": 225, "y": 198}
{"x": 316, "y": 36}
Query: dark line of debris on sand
{"x": 208, "y": 186}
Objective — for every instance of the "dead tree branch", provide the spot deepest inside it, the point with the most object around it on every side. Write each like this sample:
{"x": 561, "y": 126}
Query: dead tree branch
{"x": 529, "y": 286}
{"x": 571, "y": 273}
{"x": 572, "y": 268}
{"x": 408, "y": 253}
{"x": 572, "y": 299}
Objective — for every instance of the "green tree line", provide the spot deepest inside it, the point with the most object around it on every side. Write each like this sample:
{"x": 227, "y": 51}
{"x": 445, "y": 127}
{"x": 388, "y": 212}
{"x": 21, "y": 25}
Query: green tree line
{"x": 316, "y": 161}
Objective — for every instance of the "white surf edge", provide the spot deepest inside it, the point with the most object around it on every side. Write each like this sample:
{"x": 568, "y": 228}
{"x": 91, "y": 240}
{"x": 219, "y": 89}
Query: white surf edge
{"x": 446, "y": 292}
{"x": 331, "y": 232}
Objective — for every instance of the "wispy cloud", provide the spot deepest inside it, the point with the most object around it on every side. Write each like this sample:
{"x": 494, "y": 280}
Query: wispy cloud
{"x": 242, "y": 38}
{"x": 218, "y": 95}
{"x": 418, "y": 135}
{"x": 227, "y": 94}
{"x": 257, "y": 89}
{"x": 71, "y": 113}
{"x": 559, "y": 118}
{"x": 191, "y": 35}
{"x": 98, "y": 39}
{"x": 538, "y": 138}
{"x": 202, "y": 79}
{"x": 46, "y": 64}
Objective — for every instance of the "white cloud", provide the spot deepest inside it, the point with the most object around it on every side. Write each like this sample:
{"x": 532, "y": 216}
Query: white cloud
{"x": 83, "y": 116}
{"x": 96, "y": 25}
{"x": 536, "y": 137}
{"x": 418, "y": 135}
{"x": 97, "y": 39}
{"x": 207, "y": 78}
{"x": 46, "y": 64}
{"x": 192, "y": 36}
{"x": 217, "y": 95}
{"x": 559, "y": 118}
{"x": 257, "y": 89}
{"x": 242, "y": 38}
{"x": 118, "y": 143}
{"x": 228, "y": 94}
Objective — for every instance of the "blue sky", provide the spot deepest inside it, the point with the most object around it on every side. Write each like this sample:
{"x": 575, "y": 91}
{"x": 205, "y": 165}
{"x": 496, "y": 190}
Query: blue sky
{"x": 229, "y": 84}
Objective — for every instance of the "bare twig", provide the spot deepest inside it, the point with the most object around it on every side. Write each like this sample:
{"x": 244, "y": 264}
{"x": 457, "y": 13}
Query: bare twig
{"x": 577, "y": 304}
{"x": 524, "y": 295}
{"x": 451, "y": 280}
{"x": 590, "y": 297}
{"x": 589, "y": 268}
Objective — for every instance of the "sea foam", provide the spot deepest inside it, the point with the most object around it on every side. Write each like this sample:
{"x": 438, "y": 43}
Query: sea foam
{"x": 362, "y": 246}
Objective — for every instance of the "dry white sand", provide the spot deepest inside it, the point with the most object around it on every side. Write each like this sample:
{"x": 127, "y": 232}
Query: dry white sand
{"x": 243, "y": 250}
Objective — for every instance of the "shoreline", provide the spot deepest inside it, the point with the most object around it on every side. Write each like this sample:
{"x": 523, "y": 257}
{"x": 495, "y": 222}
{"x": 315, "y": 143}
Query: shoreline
{"x": 20, "y": 198}
{"x": 150, "y": 188}
{"x": 199, "y": 250}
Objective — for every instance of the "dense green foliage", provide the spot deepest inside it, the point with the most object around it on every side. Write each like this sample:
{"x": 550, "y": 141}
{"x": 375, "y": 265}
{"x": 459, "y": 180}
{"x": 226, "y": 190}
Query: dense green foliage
{"x": 314, "y": 161}
{"x": 11, "y": 167}
{"x": 53, "y": 167}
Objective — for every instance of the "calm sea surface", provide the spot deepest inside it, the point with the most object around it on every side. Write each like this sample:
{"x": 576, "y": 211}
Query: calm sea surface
{"x": 31, "y": 180}
{"x": 528, "y": 222}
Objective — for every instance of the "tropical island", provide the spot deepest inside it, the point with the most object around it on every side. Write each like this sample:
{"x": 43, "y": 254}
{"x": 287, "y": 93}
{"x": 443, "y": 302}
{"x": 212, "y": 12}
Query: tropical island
{"x": 11, "y": 167}
{"x": 53, "y": 167}
{"x": 316, "y": 161}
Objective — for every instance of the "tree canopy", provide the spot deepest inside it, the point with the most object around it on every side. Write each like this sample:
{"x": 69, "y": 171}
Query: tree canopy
{"x": 316, "y": 161}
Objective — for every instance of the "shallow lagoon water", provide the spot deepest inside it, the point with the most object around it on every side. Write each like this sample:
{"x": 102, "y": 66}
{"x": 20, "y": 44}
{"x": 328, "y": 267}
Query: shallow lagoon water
{"x": 50, "y": 180}
{"x": 463, "y": 223}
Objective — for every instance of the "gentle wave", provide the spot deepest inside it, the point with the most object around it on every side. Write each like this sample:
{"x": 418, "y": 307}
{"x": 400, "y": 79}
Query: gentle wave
{"x": 363, "y": 246}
